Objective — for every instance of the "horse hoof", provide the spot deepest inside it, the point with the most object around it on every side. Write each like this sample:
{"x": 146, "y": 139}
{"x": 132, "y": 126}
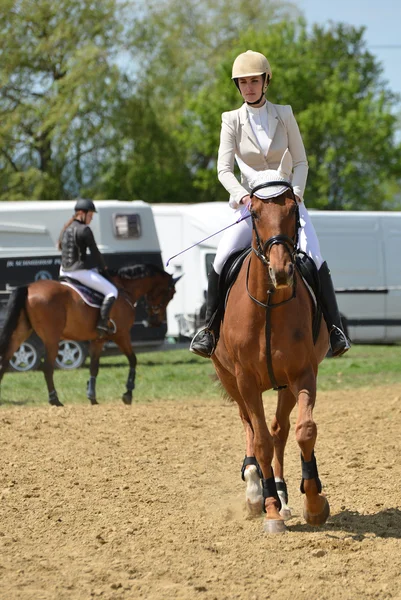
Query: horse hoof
{"x": 127, "y": 398}
{"x": 94, "y": 402}
{"x": 285, "y": 514}
{"x": 254, "y": 509}
{"x": 319, "y": 518}
{"x": 274, "y": 526}
{"x": 55, "y": 402}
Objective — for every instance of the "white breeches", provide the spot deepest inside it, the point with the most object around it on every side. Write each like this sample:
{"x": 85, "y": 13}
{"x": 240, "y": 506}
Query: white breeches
{"x": 93, "y": 280}
{"x": 239, "y": 236}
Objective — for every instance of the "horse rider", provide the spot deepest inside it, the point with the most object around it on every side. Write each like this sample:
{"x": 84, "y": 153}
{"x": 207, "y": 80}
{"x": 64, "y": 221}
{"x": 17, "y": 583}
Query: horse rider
{"x": 75, "y": 238}
{"x": 257, "y": 136}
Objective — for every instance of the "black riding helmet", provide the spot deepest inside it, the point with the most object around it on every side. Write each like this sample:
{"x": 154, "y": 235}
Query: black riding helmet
{"x": 85, "y": 204}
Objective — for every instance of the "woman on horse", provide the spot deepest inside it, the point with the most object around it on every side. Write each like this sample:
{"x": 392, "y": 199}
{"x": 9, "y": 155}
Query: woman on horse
{"x": 257, "y": 135}
{"x": 75, "y": 238}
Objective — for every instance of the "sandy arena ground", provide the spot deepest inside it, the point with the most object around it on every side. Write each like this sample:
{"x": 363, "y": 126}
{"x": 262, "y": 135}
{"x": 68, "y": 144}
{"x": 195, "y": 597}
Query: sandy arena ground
{"x": 115, "y": 502}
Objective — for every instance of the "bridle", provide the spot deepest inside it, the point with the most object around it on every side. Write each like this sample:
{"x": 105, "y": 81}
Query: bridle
{"x": 263, "y": 249}
{"x": 154, "y": 309}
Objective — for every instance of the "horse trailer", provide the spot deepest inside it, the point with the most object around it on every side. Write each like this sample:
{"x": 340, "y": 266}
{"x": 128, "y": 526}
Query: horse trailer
{"x": 126, "y": 235}
{"x": 362, "y": 250}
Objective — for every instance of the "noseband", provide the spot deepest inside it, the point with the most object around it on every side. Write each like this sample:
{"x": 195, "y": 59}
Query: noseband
{"x": 155, "y": 309}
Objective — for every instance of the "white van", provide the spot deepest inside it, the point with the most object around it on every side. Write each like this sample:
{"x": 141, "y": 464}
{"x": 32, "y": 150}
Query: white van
{"x": 362, "y": 250}
{"x": 125, "y": 233}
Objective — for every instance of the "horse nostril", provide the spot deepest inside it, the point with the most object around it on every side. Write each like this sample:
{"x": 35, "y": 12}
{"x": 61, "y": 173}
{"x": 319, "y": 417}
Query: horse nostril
{"x": 290, "y": 270}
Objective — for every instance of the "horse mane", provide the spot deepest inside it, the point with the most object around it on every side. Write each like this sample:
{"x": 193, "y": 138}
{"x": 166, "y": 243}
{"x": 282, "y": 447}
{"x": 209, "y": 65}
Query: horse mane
{"x": 140, "y": 271}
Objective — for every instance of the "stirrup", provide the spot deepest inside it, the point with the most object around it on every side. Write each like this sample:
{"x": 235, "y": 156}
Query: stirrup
{"x": 103, "y": 330}
{"x": 343, "y": 344}
{"x": 204, "y": 349}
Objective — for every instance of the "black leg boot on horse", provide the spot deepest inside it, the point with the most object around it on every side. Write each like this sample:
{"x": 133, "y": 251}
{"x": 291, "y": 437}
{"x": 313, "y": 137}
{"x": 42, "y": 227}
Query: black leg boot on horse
{"x": 338, "y": 340}
{"x": 204, "y": 342}
{"x": 102, "y": 326}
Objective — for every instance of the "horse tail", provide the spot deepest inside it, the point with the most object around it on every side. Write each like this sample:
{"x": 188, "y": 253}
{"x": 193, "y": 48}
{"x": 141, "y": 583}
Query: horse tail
{"x": 16, "y": 303}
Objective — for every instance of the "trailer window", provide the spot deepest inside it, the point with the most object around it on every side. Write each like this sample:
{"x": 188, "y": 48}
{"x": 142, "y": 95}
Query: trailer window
{"x": 127, "y": 226}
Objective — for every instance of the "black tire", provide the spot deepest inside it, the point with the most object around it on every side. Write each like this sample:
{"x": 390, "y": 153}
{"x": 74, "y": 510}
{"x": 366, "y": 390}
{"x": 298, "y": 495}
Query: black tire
{"x": 26, "y": 358}
{"x": 72, "y": 355}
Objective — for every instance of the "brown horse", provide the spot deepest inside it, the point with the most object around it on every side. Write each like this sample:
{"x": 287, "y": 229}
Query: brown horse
{"x": 266, "y": 342}
{"x": 56, "y": 311}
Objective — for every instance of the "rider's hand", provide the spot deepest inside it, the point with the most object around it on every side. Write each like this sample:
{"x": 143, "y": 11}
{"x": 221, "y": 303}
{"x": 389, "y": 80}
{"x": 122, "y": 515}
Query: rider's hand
{"x": 246, "y": 201}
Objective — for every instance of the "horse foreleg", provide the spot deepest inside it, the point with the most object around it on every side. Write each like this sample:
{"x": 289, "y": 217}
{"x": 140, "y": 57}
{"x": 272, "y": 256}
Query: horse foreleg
{"x": 280, "y": 430}
{"x": 125, "y": 346}
{"x": 316, "y": 506}
{"x": 95, "y": 349}
{"x": 48, "y": 370}
{"x": 264, "y": 450}
{"x": 250, "y": 470}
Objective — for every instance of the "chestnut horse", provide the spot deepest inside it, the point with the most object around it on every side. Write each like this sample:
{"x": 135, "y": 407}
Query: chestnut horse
{"x": 56, "y": 311}
{"x": 266, "y": 342}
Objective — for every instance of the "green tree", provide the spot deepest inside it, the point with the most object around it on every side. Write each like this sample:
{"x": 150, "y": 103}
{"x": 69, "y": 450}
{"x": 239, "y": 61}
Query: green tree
{"x": 342, "y": 106}
{"x": 178, "y": 45}
{"x": 59, "y": 88}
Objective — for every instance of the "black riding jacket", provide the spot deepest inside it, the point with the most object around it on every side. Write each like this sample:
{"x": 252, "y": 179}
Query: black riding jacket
{"x": 76, "y": 239}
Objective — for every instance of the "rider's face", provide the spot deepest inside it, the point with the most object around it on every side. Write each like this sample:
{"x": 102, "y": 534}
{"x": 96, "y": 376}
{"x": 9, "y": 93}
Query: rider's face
{"x": 88, "y": 218}
{"x": 251, "y": 88}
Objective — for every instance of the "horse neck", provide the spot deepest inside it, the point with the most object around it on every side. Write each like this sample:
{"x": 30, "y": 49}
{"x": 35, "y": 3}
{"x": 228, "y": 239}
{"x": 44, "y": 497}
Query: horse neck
{"x": 135, "y": 288}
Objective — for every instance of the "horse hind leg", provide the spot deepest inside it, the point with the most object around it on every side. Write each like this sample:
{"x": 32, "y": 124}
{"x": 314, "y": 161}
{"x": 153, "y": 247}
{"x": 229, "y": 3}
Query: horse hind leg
{"x": 48, "y": 371}
{"x": 21, "y": 333}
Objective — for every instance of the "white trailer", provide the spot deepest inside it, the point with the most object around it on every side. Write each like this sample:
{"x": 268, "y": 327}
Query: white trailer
{"x": 125, "y": 233}
{"x": 362, "y": 250}
{"x": 179, "y": 226}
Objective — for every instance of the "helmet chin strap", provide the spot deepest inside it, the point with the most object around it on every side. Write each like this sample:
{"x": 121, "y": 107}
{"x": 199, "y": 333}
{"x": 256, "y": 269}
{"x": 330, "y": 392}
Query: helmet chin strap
{"x": 256, "y": 102}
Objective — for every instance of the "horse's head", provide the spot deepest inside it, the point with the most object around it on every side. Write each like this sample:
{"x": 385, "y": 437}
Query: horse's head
{"x": 275, "y": 221}
{"x": 153, "y": 284}
{"x": 158, "y": 297}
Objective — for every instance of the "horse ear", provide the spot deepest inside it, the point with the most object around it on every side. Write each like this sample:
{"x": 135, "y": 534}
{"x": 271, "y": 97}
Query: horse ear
{"x": 246, "y": 170}
{"x": 285, "y": 167}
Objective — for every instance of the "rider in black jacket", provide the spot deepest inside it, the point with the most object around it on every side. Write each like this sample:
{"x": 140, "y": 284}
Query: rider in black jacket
{"x": 75, "y": 239}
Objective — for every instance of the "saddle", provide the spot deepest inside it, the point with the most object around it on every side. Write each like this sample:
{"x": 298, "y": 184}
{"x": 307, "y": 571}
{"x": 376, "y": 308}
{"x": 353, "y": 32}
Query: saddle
{"x": 89, "y": 296}
{"x": 305, "y": 267}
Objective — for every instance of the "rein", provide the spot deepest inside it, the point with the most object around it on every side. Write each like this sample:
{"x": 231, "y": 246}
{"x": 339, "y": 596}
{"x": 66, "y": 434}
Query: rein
{"x": 262, "y": 251}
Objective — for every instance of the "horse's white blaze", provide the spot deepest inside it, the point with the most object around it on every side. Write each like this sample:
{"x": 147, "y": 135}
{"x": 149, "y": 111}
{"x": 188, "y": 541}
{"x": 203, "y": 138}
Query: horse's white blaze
{"x": 253, "y": 493}
{"x": 285, "y": 511}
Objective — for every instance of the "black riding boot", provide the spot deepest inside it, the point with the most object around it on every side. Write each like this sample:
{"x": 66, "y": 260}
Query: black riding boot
{"x": 102, "y": 326}
{"x": 204, "y": 342}
{"x": 338, "y": 340}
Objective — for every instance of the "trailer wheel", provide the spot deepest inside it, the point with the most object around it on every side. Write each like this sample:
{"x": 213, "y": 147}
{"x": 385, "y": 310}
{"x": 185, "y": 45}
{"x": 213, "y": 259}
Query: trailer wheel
{"x": 71, "y": 355}
{"x": 26, "y": 358}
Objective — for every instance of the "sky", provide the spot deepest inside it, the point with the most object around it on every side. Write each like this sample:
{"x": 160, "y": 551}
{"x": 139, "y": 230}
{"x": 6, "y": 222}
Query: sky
{"x": 382, "y": 19}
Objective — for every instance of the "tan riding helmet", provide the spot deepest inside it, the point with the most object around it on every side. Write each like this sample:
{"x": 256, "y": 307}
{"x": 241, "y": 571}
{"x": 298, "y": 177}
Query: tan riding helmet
{"x": 251, "y": 63}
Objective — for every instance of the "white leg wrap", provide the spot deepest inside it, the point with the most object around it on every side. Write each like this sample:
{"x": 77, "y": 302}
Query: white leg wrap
{"x": 285, "y": 510}
{"x": 253, "y": 493}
